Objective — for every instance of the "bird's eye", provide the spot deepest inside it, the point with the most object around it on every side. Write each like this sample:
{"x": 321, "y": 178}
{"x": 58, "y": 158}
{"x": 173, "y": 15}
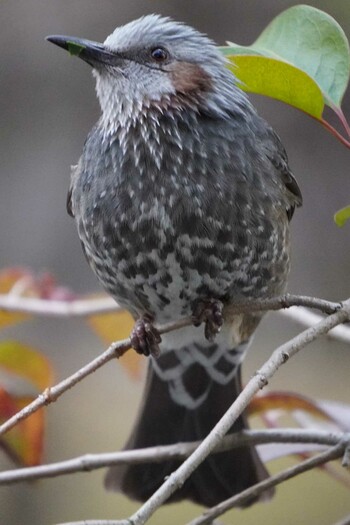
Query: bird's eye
{"x": 159, "y": 54}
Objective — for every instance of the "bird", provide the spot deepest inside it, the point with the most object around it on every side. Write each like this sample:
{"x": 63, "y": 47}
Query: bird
{"x": 182, "y": 199}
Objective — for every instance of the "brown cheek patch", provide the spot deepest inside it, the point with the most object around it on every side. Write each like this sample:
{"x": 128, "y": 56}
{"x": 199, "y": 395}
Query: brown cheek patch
{"x": 188, "y": 78}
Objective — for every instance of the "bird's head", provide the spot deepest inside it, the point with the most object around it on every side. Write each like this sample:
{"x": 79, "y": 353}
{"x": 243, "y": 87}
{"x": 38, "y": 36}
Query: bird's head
{"x": 151, "y": 61}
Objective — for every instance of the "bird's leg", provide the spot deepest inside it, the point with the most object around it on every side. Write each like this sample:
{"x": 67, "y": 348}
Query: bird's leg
{"x": 145, "y": 338}
{"x": 208, "y": 311}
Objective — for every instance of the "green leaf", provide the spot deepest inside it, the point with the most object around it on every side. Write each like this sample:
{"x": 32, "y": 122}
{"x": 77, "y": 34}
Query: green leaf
{"x": 341, "y": 216}
{"x": 313, "y": 41}
{"x": 74, "y": 49}
{"x": 309, "y": 40}
{"x": 279, "y": 80}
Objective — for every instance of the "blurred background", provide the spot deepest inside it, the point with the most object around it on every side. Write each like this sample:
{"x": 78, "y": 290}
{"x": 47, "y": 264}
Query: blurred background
{"x": 47, "y": 107}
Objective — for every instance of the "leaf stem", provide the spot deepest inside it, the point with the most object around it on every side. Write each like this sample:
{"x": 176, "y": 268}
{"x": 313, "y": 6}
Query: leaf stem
{"x": 334, "y": 132}
{"x": 338, "y": 111}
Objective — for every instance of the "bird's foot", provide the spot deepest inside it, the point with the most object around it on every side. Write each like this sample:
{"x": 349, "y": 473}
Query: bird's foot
{"x": 210, "y": 312}
{"x": 145, "y": 338}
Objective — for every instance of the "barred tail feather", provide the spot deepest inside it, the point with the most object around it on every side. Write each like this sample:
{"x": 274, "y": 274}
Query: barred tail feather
{"x": 163, "y": 421}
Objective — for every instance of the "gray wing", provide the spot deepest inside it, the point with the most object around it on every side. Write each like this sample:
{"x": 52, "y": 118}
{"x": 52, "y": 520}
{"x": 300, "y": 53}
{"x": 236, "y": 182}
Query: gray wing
{"x": 279, "y": 159}
{"x": 69, "y": 202}
{"x": 75, "y": 172}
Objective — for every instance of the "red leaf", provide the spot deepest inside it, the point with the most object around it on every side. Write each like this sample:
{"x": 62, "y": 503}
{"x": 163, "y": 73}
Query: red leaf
{"x": 24, "y": 443}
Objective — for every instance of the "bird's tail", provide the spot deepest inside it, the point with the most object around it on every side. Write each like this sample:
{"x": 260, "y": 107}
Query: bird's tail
{"x": 186, "y": 407}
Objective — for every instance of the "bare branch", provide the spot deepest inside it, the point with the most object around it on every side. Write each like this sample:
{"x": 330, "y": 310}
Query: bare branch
{"x": 90, "y": 462}
{"x": 285, "y": 301}
{"x": 51, "y": 394}
{"x": 238, "y": 500}
{"x": 98, "y": 522}
{"x": 119, "y": 348}
{"x": 285, "y": 304}
{"x": 208, "y": 517}
{"x": 85, "y": 307}
{"x": 49, "y": 308}
{"x": 306, "y": 317}
{"x": 278, "y": 358}
{"x": 14, "y": 302}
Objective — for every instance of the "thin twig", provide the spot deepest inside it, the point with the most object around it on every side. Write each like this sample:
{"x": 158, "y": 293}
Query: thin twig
{"x": 119, "y": 348}
{"x": 50, "y": 308}
{"x": 86, "y": 307}
{"x": 51, "y": 394}
{"x": 306, "y": 317}
{"x": 329, "y": 455}
{"x": 175, "y": 480}
{"x": 285, "y": 304}
{"x": 278, "y": 358}
{"x": 100, "y": 305}
{"x": 98, "y": 522}
{"x": 179, "y": 451}
{"x": 285, "y": 301}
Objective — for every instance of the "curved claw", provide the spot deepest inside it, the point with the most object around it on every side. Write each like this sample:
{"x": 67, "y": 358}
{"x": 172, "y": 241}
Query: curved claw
{"x": 210, "y": 312}
{"x": 145, "y": 338}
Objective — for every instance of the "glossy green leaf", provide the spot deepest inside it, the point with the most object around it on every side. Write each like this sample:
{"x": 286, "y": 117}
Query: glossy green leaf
{"x": 313, "y": 41}
{"x": 342, "y": 216}
{"x": 279, "y": 80}
{"x": 307, "y": 39}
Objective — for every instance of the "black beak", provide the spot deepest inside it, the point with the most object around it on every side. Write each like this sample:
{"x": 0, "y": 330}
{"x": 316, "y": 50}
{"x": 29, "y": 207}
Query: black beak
{"x": 93, "y": 53}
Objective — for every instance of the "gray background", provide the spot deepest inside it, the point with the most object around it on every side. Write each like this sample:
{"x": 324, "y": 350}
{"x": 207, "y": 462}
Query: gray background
{"x": 47, "y": 106}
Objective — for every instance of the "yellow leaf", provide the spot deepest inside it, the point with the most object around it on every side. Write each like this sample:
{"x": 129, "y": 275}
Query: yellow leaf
{"x": 113, "y": 327}
{"x": 26, "y": 362}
